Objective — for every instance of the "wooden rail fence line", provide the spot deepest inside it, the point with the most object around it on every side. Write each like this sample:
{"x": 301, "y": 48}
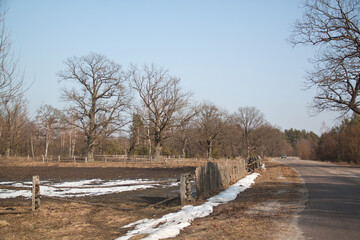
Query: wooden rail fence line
{"x": 216, "y": 176}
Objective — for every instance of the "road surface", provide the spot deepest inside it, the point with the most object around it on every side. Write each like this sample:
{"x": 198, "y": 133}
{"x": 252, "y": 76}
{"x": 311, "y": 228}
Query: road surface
{"x": 333, "y": 207}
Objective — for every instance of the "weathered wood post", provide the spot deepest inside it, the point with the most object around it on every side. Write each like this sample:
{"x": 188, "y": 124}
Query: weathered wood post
{"x": 185, "y": 188}
{"x": 199, "y": 182}
{"x": 43, "y": 158}
{"x": 59, "y": 158}
{"x": 74, "y": 159}
{"x": 35, "y": 193}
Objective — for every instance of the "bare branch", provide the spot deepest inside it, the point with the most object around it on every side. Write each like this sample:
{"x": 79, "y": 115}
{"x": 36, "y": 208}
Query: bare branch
{"x": 333, "y": 27}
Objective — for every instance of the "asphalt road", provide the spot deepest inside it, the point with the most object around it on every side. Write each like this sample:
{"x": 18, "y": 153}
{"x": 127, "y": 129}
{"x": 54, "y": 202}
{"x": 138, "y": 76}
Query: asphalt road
{"x": 333, "y": 207}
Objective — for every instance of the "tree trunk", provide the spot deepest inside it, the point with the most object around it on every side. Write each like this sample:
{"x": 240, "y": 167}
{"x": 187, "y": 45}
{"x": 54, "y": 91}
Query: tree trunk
{"x": 90, "y": 148}
{"x": 157, "y": 143}
{"x": 72, "y": 151}
{"x": 149, "y": 141}
{"x": 8, "y": 151}
{"x": 184, "y": 148}
{"x": 90, "y": 155}
{"x": 209, "y": 149}
{"x": 32, "y": 146}
{"x": 157, "y": 152}
{"x": 47, "y": 140}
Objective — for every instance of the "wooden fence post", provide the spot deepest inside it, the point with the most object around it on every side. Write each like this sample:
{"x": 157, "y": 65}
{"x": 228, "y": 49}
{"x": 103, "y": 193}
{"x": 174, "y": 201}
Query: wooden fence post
{"x": 199, "y": 181}
{"x": 185, "y": 188}
{"x": 59, "y": 158}
{"x": 36, "y": 193}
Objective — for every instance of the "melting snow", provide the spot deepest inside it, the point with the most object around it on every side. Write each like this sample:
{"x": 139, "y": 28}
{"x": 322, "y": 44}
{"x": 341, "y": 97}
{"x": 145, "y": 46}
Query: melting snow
{"x": 93, "y": 187}
{"x": 170, "y": 225}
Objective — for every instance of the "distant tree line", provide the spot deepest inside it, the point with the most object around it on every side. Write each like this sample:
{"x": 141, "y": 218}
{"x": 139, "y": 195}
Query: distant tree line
{"x": 342, "y": 142}
{"x": 339, "y": 144}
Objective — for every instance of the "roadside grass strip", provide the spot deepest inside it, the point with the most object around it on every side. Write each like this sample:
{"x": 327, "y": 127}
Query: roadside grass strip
{"x": 93, "y": 187}
{"x": 171, "y": 224}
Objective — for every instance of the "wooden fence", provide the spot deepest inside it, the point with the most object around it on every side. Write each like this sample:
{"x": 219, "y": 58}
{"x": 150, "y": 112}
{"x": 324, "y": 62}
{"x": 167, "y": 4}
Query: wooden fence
{"x": 112, "y": 158}
{"x": 216, "y": 176}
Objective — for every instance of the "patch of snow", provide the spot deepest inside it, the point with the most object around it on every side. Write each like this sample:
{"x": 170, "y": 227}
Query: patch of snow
{"x": 173, "y": 184}
{"x": 171, "y": 224}
{"x": 93, "y": 187}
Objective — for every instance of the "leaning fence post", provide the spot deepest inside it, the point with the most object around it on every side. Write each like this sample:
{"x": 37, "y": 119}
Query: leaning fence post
{"x": 36, "y": 193}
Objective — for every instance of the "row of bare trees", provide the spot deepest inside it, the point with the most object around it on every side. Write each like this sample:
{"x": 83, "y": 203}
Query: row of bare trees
{"x": 165, "y": 120}
{"x": 214, "y": 133}
{"x": 144, "y": 110}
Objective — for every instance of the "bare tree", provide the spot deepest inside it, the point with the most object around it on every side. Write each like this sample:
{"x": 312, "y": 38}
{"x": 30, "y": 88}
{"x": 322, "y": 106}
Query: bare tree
{"x": 332, "y": 26}
{"x": 14, "y": 115}
{"x": 184, "y": 127}
{"x": 11, "y": 83}
{"x": 49, "y": 119}
{"x": 161, "y": 98}
{"x": 211, "y": 124}
{"x": 248, "y": 119}
{"x": 12, "y": 102}
{"x": 138, "y": 134}
{"x": 100, "y": 100}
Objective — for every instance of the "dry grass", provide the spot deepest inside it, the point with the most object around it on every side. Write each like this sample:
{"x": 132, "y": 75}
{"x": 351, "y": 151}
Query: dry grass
{"x": 268, "y": 210}
{"x": 67, "y": 220}
{"x": 265, "y": 211}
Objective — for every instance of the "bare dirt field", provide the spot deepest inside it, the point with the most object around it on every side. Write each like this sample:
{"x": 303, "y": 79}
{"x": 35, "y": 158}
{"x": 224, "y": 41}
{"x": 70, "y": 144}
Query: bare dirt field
{"x": 265, "y": 211}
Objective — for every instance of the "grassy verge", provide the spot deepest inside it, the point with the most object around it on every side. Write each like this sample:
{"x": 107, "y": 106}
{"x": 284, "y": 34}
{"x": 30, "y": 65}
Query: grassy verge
{"x": 268, "y": 210}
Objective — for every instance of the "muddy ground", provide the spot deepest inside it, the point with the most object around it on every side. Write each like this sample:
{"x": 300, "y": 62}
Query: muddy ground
{"x": 266, "y": 211}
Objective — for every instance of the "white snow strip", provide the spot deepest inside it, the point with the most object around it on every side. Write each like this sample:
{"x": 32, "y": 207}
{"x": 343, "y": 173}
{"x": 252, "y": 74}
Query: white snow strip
{"x": 171, "y": 224}
{"x": 173, "y": 184}
{"x": 96, "y": 187}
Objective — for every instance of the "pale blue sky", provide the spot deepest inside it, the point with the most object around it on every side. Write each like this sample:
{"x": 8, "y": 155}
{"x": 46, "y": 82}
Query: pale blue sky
{"x": 230, "y": 53}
